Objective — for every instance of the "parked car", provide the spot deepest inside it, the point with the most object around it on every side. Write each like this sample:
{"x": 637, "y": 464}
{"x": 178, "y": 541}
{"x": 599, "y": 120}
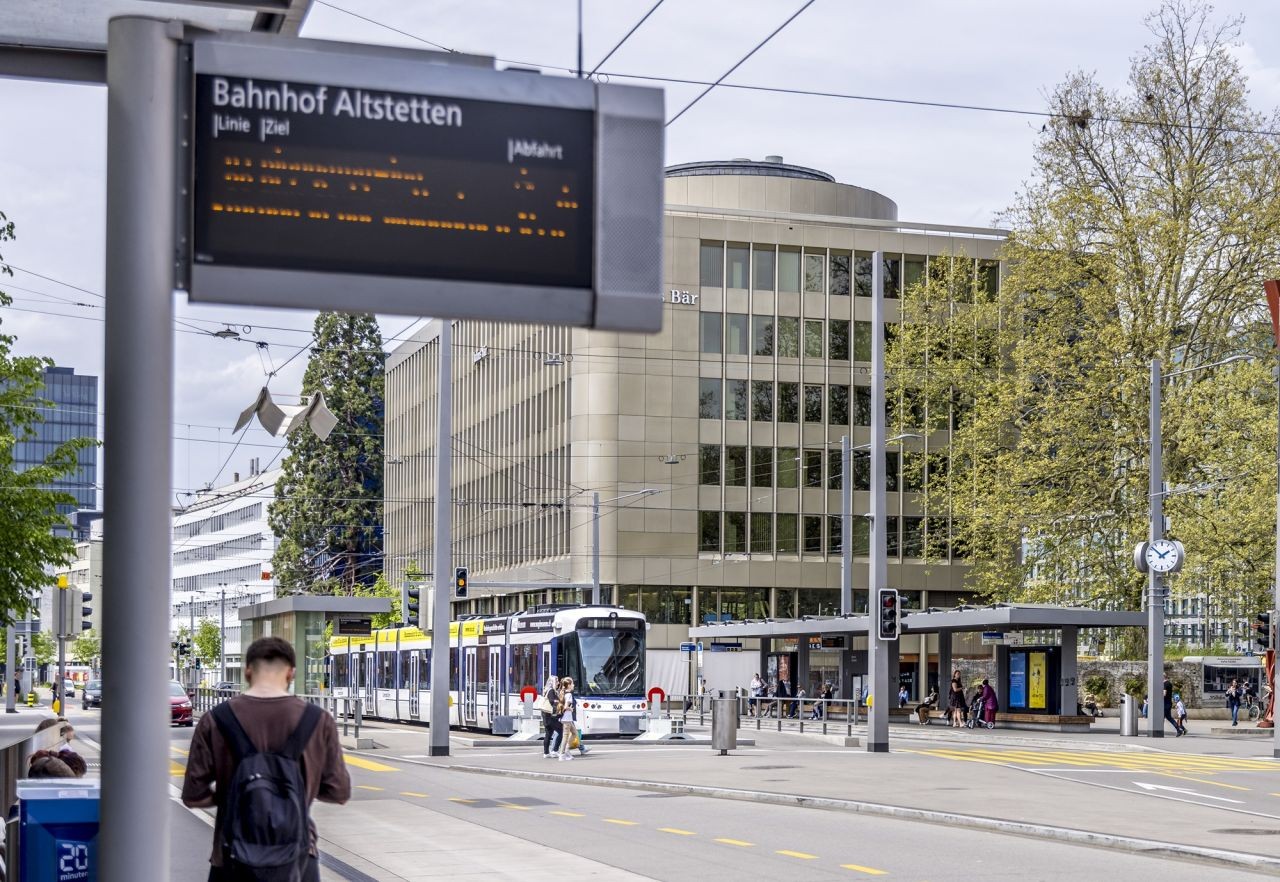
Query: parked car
{"x": 92, "y": 694}
{"x": 225, "y": 686}
{"x": 180, "y": 705}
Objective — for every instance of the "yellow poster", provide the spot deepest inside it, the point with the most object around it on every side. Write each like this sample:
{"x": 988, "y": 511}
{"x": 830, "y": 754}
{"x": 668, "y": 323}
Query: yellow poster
{"x": 1036, "y": 676}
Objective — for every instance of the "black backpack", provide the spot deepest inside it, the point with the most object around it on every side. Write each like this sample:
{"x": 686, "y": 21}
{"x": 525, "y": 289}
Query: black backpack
{"x": 265, "y": 820}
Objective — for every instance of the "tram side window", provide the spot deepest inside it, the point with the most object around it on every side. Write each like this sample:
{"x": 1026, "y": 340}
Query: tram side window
{"x": 341, "y": 670}
{"x": 402, "y": 670}
{"x": 524, "y": 667}
{"x": 362, "y": 668}
{"x": 454, "y": 679}
{"x": 482, "y": 664}
{"x": 424, "y": 669}
{"x": 386, "y": 671}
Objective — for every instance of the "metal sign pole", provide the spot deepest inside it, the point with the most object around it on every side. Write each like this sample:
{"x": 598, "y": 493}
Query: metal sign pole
{"x": 10, "y": 672}
{"x": 142, "y": 78}
{"x": 846, "y": 526}
{"x": 443, "y": 551}
{"x": 1155, "y": 602}
{"x": 877, "y": 649}
{"x": 595, "y": 549}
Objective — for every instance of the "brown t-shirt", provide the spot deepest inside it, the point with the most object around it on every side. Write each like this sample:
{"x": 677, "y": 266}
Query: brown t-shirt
{"x": 268, "y": 722}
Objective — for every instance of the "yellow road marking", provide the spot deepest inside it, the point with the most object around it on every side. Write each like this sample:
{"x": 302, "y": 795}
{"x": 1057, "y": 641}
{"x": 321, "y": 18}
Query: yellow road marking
{"x": 369, "y": 787}
{"x": 180, "y": 750}
{"x": 460, "y": 799}
{"x": 1203, "y": 781}
{"x": 568, "y": 814}
{"x": 368, "y": 765}
{"x": 1275, "y": 794}
{"x": 512, "y": 805}
{"x": 737, "y": 842}
{"x": 676, "y": 831}
{"x": 411, "y": 793}
{"x": 623, "y": 823}
{"x": 176, "y": 769}
{"x": 870, "y": 871}
{"x": 797, "y": 854}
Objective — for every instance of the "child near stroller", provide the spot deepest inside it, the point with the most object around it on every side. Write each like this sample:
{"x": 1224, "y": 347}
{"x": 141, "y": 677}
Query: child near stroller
{"x": 924, "y": 707}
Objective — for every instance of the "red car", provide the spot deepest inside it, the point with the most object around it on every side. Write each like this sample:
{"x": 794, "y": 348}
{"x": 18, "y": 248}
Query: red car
{"x": 180, "y": 705}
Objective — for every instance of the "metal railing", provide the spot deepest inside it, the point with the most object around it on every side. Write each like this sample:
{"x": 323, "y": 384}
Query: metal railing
{"x": 347, "y": 711}
{"x": 785, "y": 714}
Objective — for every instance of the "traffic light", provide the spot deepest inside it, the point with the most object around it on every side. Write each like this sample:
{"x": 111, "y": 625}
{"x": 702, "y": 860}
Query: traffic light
{"x": 86, "y": 611}
{"x": 890, "y": 618}
{"x": 411, "y": 603}
{"x": 460, "y": 583}
{"x": 1262, "y": 630}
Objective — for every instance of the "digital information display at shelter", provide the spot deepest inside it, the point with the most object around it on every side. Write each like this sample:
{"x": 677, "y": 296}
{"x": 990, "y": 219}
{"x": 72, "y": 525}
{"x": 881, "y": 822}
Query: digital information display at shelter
{"x": 332, "y": 176}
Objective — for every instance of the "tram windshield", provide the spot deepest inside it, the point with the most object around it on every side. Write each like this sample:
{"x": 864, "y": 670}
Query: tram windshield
{"x": 605, "y": 657}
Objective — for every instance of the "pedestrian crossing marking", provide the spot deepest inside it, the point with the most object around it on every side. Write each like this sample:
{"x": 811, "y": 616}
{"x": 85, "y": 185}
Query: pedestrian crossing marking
{"x": 368, "y": 765}
{"x": 737, "y": 842}
{"x": 411, "y": 793}
{"x": 461, "y": 800}
{"x": 621, "y": 822}
{"x": 676, "y": 831}
{"x": 870, "y": 871}
{"x": 369, "y": 787}
{"x": 804, "y": 856}
{"x": 1155, "y": 762}
{"x": 512, "y": 805}
{"x": 568, "y": 814}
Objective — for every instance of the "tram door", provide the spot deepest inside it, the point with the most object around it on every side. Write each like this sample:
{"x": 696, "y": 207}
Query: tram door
{"x": 496, "y": 704}
{"x": 413, "y": 675}
{"x": 469, "y": 686}
{"x": 368, "y": 676}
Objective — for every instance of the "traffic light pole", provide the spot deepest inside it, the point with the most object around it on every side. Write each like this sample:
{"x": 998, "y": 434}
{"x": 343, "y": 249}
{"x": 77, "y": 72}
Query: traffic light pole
{"x": 877, "y": 649}
{"x": 10, "y": 673}
{"x": 1275, "y": 600}
{"x": 1155, "y": 595}
{"x": 443, "y": 562}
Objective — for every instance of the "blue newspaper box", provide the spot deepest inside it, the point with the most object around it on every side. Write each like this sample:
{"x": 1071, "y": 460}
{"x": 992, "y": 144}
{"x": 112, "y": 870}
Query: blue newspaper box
{"x": 59, "y": 824}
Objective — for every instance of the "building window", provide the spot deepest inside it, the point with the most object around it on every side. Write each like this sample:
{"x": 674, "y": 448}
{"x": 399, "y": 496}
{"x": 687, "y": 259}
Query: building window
{"x": 736, "y": 334}
{"x": 812, "y": 404}
{"x": 862, "y": 341}
{"x": 786, "y": 542}
{"x": 862, "y": 405}
{"x": 813, "y": 468}
{"x": 813, "y": 339}
{"x": 711, "y": 265}
{"x": 815, "y": 271}
{"x": 789, "y": 337}
{"x": 761, "y": 532}
{"x": 812, "y": 534}
{"x": 762, "y": 400}
{"x": 936, "y": 543}
{"x": 891, "y": 536}
{"x": 840, "y": 273}
{"x": 667, "y": 605}
{"x": 835, "y": 473}
{"x": 785, "y": 603}
{"x": 912, "y": 271}
{"x": 788, "y": 467}
{"x": 838, "y": 405}
{"x": 891, "y": 483}
{"x": 711, "y": 333}
{"x": 861, "y": 273}
{"x": 912, "y": 471}
{"x": 819, "y": 601}
{"x": 735, "y": 532}
{"x": 735, "y": 466}
{"x": 709, "y": 407}
{"x": 835, "y": 536}
{"x": 735, "y": 399}
{"x": 913, "y": 537}
{"x": 709, "y": 464}
{"x": 989, "y": 279}
{"x": 764, "y": 260}
{"x": 739, "y": 259}
{"x": 788, "y": 402}
{"x": 838, "y": 348}
{"x": 761, "y": 466}
{"x": 789, "y": 270}
{"x": 861, "y": 470}
{"x": 709, "y": 531}
{"x": 762, "y": 334}
{"x": 860, "y": 541}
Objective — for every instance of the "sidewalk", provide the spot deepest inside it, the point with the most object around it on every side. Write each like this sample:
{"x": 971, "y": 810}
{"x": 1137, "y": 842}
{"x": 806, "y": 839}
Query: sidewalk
{"x": 806, "y": 770}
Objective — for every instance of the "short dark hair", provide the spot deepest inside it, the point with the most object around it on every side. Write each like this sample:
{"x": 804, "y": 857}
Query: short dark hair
{"x": 270, "y": 650}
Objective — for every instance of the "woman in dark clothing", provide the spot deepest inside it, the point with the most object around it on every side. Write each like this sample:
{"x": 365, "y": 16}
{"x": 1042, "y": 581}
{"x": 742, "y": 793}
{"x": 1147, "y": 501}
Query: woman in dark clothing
{"x": 956, "y": 703}
{"x": 551, "y": 721}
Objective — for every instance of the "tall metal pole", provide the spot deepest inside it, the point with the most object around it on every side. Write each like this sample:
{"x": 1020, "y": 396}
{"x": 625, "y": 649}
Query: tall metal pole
{"x": 62, "y": 628}
{"x": 1275, "y": 600}
{"x": 222, "y": 636}
{"x": 444, "y": 550}
{"x": 191, "y": 642}
{"x": 846, "y": 526}
{"x": 10, "y": 673}
{"x": 595, "y": 549}
{"x": 580, "y": 68}
{"x": 142, "y": 77}
{"x": 1155, "y": 599}
{"x": 877, "y": 649}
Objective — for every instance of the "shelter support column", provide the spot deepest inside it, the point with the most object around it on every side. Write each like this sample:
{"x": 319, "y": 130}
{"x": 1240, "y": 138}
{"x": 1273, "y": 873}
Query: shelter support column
{"x": 944, "y": 666}
{"x": 1002, "y": 676}
{"x": 802, "y": 664}
{"x": 1068, "y": 688}
{"x": 922, "y": 670}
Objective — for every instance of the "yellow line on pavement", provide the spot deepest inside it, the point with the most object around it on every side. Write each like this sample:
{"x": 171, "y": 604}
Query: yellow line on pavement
{"x": 870, "y": 871}
{"x": 621, "y": 822}
{"x": 368, "y": 765}
{"x": 411, "y": 793}
{"x": 512, "y": 805}
{"x": 797, "y": 854}
{"x": 176, "y": 770}
{"x": 676, "y": 831}
{"x": 460, "y": 799}
{"x": 180, "y": 750}
{"x": 568, "y": 814}
{"x": 369, "y": 787}
{"x": 737, "y": 842}
{"x": 1203, "y": 781}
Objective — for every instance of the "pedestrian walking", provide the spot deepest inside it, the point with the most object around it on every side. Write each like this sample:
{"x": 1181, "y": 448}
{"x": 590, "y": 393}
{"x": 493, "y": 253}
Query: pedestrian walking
{"x": 757, "y": 691}
{"x": 1234, "y": 694}
{"x": 568, "y": 718}
{"x": 1167, "y": 696}
{"x": 1180, "y": 714}
{"x": 551, "y": 728}
{"x": 990, "y": 704}
{"x": 265, "y": 736}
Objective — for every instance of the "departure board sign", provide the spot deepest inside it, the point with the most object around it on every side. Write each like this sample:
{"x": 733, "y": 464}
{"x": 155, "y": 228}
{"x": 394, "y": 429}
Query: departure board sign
{"x": 374, "y": 180}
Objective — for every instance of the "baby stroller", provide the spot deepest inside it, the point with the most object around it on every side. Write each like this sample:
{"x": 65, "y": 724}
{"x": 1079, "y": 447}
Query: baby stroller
{"x": 975, "y": 714}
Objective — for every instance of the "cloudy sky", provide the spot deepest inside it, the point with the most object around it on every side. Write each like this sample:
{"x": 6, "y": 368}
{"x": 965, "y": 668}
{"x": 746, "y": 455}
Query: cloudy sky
{"x": 940, "y": 165}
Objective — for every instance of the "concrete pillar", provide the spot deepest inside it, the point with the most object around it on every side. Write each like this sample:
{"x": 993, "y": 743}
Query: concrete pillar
{"x": 922, "y": 670}
{"x": 1067, "y": 685}
{"x": 1001, "y": 683}
{"x": 944, "y": 666}
{"x": 895, "y": 666}
{"x": 802, "y": 664}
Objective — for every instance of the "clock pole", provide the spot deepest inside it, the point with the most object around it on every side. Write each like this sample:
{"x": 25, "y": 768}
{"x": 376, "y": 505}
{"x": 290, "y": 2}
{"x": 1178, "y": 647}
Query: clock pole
{"x": 1155, "y": 598}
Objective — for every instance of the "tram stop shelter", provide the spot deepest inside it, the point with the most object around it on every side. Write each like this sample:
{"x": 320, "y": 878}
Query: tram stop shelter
{"x": 1036, "y": 678}
{"x": 301, "y": 619}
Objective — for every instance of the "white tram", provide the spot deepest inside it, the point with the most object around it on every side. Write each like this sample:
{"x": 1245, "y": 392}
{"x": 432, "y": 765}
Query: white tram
{"x": 493, "y": 658}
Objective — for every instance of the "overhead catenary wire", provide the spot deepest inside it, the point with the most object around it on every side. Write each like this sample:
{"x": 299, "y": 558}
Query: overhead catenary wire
{"x": 627, "y": 36}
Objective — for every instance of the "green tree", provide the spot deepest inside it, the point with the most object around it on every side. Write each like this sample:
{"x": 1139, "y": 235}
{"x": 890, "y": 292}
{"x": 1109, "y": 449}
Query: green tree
{"x": 87, "y": 648}
{"x": 208, "y": 642}
{"x": 1145, "y": 231}
{"x": 328, "y": 506}
{"x": 43, "y": 648}
{"x": 28, "y": 508}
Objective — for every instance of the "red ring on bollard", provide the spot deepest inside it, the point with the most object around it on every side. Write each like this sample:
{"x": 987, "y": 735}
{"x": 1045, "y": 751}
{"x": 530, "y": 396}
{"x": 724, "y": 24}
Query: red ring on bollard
{"x": 530, "y": 692}
{"x": 658, "y": 691}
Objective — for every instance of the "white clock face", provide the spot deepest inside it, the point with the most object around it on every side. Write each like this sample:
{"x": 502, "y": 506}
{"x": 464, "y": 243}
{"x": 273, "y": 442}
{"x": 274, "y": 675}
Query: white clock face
{"x": 1162, "y": 556}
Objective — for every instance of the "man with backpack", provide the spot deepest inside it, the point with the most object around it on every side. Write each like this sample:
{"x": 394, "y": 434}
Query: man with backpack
{"x": 262, "y": 758}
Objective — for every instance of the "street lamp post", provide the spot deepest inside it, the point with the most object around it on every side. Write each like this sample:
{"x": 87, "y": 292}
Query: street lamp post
{"x": 877, "y": 649}
{"x": 222, "y": 633}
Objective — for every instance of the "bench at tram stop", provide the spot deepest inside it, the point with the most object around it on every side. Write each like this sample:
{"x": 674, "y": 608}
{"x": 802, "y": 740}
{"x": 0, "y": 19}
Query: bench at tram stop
{"x": 1026, "y": 721}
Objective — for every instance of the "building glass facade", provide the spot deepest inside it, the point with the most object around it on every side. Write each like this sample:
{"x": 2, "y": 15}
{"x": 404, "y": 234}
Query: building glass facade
{"x": 68, "y": 408}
